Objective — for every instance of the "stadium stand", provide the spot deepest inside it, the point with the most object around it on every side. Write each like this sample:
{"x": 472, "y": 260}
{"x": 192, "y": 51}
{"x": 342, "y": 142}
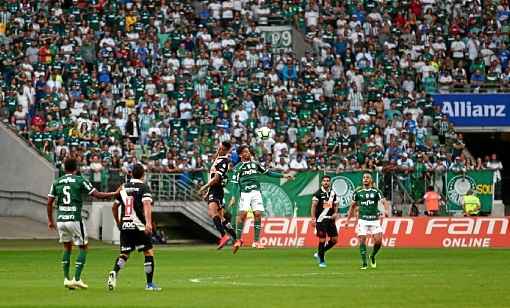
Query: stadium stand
{"x": 120, "y": 82}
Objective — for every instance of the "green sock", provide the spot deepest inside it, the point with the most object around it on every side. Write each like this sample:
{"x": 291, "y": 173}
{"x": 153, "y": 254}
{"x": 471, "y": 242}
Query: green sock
{"x": 66, "y": 260}
{"x": 80, "y": 263}
{"x": 239, "y": 229}
{"x": 363, "y": 252}
{"x": 257, "y": 230}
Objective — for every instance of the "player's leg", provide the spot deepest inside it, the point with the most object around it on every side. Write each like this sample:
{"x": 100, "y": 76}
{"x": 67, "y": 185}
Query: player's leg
{"x": 377, "y": 236}
{"x": 213, "y": 212}
{"x": 332, "y": 233}
{"x": 362, "y": 230}
{"x": 80, "y": 264}
{"x": 66, "y": 237}
{"x": 241, "y": 218}
{"x": 226, "y": 218}
{"x": 258, "y": 209}
{"x": 80, "y": 239}
{"x": 321, "y": 234}
{"x": 148, "y": 264}
{"x": 126, "y": 246}
{"x": 66, "y": 263}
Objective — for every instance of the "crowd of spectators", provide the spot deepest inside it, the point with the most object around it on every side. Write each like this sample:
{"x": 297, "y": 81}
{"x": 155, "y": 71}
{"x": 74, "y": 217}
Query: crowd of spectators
{"x": 162, "y": 82}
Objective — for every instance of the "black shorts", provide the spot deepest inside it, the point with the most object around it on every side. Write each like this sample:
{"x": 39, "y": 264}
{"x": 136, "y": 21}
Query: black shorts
{"x": 134, "y": 240}
{"x": 215, "y": 194}
{"x": 326, "y": 227}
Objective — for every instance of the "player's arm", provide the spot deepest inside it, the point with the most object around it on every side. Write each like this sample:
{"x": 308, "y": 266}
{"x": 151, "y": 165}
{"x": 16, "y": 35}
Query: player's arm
{"x": 352, "y": 210}
{"x": 273, "y": 174}
{"x": 104, "y": 195}
{"x": 49, "y": 207}
{"x": 386, "y": 205}
{"x": 313, "y": 209}
{"x": 147, "y": 210}
{"x": 49, "y": 210}
{"x": 216, "y": 179}
{"x": 235, "y": 187}
{"x": 115, "y": 212}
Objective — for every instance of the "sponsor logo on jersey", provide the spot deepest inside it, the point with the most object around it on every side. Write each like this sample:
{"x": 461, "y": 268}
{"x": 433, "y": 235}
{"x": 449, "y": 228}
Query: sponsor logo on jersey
{"x": 67, "y": 208}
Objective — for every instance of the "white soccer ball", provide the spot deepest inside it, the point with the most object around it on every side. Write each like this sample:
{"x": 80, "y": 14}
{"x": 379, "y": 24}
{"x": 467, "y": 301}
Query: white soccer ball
{"x": 264, "y": 133}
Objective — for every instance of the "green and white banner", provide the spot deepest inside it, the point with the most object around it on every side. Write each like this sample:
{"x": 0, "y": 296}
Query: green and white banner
{"x": 458, "y": 184}
{"x": 283, "y": 198}
{"x": 280, "y": 37}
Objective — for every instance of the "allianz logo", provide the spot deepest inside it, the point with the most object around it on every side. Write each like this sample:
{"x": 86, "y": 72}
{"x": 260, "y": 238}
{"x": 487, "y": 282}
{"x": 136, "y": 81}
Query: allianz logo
{"x": 468, "y": 109}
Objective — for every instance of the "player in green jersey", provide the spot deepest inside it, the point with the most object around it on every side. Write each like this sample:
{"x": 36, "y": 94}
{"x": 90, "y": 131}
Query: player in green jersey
{"x": 366, "y": 200}
{"x": 246, "y": 176}
{"x": 67, "y": 192}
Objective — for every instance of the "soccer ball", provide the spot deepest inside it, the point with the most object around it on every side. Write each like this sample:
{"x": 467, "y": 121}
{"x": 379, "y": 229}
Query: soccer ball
{"x": 264, "y": 133}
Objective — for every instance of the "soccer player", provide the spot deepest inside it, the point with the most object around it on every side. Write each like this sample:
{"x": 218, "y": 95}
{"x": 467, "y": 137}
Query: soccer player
{"x": 324, "y": 211}
{"x": 214, "y": 195}
{"x": 366, "y": 199}
{"x": 246, "y": 176}
{"x": 67, "y": 192}
{"x": 135, "y": 224}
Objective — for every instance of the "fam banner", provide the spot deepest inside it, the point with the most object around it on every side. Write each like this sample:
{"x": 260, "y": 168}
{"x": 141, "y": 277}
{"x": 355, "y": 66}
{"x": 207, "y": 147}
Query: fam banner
{"x": 415, "y": 232}
{"x": 475, "y": 110}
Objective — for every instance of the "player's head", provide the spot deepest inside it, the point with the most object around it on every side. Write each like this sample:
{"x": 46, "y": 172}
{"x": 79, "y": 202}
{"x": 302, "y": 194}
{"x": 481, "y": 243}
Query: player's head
{"x": 225, "y": 147}
{"x": 367, "y": 179}
{"x": 326, "y": 182}
{"x": 138, "y": 171}
{"x": 244, "y": 152}
{"x": 70, "y": 165}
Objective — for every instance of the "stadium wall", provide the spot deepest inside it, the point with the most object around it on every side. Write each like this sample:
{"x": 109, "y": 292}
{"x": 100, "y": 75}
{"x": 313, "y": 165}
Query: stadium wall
{"x": 25, "y": 180}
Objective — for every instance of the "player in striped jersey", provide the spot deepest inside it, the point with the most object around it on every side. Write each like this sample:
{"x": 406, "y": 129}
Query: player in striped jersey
{"x": 324, "y": 211}
{"x": 214, "y": 195}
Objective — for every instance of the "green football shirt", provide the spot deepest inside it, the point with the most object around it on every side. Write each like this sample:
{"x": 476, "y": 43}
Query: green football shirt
{"x": 246, "y": 175}
{"x": 67, "y": 191}
{"x": 367, "y": 200}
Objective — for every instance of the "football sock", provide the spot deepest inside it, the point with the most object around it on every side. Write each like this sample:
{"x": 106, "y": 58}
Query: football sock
{"x": 149, "y": 268}
{"x": 363, "y": 252}
{"x": 120, "y": 263}
{"x": 257, "y": 229}
{"x": 239, "y": 229}
{"x": 229, "y": 229}
{"x": 377, "y": 246}
{"x": 80, "y": 263}
{"x": 330, "y": 244}
{"x": 219, "y": 225}
{"x": 321, "y": 251}
{"x": 66, "y": 260}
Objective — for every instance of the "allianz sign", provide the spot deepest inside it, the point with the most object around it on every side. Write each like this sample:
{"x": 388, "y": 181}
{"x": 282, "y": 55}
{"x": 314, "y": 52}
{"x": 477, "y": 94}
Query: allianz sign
{"x": 455, "y": 109}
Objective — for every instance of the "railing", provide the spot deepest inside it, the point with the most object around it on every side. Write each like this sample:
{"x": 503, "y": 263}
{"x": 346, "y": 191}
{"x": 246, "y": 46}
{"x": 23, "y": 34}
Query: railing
{"x": 172, "y": 187}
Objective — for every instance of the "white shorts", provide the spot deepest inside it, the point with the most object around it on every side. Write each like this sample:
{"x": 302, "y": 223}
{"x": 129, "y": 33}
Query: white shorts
{"x": 251, "y": 201}
{"x": 366, "y": 227}
{"x": 72, "y": 231}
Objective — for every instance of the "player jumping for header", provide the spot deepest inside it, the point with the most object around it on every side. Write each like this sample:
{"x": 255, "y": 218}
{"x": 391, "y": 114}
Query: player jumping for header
{"x": 366, "y": 200}
{"x": 246, "y": 176}
{"x": 214, "y": 195}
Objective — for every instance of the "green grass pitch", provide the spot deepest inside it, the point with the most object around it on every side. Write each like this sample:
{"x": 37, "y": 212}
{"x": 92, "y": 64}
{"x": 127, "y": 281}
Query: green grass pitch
{"x": 30, "y": 275}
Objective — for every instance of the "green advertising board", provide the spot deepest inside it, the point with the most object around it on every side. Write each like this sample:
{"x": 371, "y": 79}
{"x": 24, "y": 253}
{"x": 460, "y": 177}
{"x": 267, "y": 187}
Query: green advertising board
{"x": 282, "y": 197}
{"x": 458, "y": 184}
